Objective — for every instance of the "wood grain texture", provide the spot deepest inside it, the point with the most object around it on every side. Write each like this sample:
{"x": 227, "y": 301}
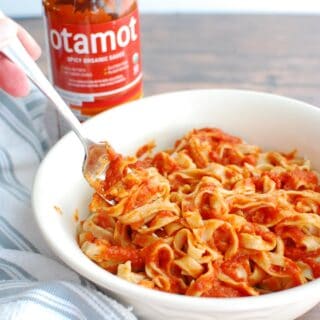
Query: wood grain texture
{"x": 277, "y": 54}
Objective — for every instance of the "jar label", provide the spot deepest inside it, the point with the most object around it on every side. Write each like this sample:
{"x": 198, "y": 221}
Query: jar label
{"x": 91, "y": 62}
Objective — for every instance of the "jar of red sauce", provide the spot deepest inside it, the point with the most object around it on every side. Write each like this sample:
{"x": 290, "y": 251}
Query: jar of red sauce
{"x": 94, "y": 52}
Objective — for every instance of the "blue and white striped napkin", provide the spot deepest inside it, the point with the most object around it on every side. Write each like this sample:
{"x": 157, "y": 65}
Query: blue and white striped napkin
{"x": 33, "y": 284}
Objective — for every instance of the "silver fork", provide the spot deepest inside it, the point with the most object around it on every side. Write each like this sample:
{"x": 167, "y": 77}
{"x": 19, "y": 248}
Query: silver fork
{"x": 96, "y": 158}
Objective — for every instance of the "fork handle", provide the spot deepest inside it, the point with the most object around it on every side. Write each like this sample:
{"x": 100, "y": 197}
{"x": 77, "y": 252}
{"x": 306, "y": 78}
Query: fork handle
{"x": 16, "y": 52}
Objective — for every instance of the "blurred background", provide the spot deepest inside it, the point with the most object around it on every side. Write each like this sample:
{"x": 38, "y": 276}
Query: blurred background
{"x": 262, "y": 45}
{"x": 31, "y": 8}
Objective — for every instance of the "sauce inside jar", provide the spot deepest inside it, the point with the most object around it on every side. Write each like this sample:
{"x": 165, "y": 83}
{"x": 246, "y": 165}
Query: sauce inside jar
{"x": 95, "y": 53}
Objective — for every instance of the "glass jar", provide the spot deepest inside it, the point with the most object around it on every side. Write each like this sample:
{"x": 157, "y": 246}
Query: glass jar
{"x": 94, "y": 52}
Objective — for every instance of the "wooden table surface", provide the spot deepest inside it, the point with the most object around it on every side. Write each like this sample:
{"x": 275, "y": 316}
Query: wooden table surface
{"x": 277, "y": 54}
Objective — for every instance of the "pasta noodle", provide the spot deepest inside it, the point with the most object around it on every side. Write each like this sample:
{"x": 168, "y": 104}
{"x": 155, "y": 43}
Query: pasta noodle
{"x": 211, "y": 217}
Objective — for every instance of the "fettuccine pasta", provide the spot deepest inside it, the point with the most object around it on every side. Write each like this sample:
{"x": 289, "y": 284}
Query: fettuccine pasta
{"x": 212, "y": 217}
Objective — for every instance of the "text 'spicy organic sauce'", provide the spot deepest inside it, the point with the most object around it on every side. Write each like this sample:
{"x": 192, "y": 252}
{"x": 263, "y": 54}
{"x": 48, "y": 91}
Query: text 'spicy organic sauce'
{"x": 95, "y": 53}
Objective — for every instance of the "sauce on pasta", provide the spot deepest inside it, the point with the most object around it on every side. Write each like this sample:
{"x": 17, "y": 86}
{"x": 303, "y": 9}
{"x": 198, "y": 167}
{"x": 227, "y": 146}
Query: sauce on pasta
{"x": 211, "y": 217}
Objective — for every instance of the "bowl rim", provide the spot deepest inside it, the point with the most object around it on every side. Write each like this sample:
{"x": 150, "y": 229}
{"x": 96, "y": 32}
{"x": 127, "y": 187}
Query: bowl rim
{"x": 122, "y": 287}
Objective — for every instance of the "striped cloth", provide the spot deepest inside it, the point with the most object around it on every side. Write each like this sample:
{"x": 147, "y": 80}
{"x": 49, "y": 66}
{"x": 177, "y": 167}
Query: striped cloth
{"x": 33, "y": 284}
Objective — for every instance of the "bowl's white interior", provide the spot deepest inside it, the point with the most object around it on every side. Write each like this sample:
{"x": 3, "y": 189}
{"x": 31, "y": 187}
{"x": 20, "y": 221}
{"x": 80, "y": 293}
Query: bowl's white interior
{"x": 271, "y": 122}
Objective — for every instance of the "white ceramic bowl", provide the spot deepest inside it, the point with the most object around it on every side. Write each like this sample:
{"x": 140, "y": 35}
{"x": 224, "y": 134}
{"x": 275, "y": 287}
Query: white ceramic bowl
{"x": 263, "y": 119}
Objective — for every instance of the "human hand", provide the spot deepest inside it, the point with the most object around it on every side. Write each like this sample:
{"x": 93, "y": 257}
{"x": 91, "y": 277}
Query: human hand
{"x": 12, "y": 78}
